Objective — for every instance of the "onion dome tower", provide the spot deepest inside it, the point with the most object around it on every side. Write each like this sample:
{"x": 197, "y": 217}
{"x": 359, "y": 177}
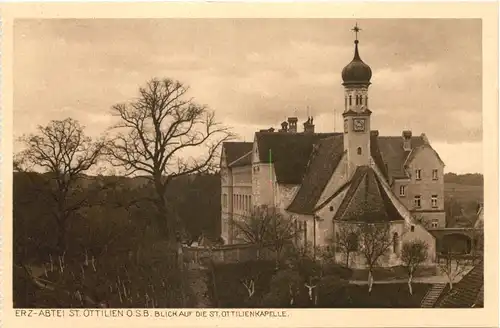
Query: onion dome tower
{"x": 356, "y": 78}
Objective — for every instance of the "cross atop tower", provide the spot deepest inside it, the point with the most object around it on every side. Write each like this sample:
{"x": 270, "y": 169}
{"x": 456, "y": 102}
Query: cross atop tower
{"x": 356, "y": 30}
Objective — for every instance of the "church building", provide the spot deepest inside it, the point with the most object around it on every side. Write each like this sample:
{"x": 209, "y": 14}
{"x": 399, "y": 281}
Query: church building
{"x": 327, "y": 180}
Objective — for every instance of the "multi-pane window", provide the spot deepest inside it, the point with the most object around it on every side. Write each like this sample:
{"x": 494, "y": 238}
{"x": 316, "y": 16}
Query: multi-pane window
{"x": 417, "y": 201}
{"x": 434, "y": 174}
{"x": 434, "y": 201}
{"x": 418, "y": 174}
{"x": 402, "y": 190}
{"x": 434, "y": 223}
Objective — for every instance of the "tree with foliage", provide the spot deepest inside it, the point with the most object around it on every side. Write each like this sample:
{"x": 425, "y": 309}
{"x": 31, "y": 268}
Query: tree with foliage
{"x": 413, "y": 254}
{"x": 375, "y": 242}
{"x": 62, "y": 151}
{"x": 155, "y": 136}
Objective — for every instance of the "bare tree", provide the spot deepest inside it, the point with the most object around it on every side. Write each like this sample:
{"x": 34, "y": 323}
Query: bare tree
{"x": 452, "y": 265}
{"x": 267, "y": 227}
{"x": 282, "y": 232}
{"x": 347, "y": 240}
{"x": 375, "y": 241}
{"x": 422, "y": 221}
{"x": 255, "y": 227}
{"x": 413, "y": 254}
{"x": 154, "y": 136}
{"x": 62, "y": 150}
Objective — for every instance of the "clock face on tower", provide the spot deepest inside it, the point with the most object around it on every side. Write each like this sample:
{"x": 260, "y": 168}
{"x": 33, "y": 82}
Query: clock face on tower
{"x": 359, "y": 124}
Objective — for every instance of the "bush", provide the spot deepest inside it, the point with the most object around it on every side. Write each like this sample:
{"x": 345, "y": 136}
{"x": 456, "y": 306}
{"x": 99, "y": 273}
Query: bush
{"x": 230, "y": 290}
{"x": 332, "y": 292}
{"x": 332, "y": 269}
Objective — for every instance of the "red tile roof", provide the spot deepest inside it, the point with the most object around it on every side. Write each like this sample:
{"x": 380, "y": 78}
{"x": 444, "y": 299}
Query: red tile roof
{"x": 289, "y": 152}
{"x": 236, "y": 150}
{"x": 366, "y": 200}
{"x": 394, "y": 155}
{"x": 322, "y": 164}
{"x": 324, "y": 160}
{"x": 309, "y": 159}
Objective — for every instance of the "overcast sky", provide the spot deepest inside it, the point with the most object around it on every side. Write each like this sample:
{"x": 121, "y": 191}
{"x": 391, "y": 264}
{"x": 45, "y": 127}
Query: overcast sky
{"x": 255, "y": 72}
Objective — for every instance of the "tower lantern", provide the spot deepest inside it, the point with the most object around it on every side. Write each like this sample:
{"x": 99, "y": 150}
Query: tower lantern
{"x": 356, "y": 78}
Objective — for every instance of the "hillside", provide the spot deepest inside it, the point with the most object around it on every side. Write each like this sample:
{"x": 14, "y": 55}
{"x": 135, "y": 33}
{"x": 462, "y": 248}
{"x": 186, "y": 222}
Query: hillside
{"x": 463, "y": 194}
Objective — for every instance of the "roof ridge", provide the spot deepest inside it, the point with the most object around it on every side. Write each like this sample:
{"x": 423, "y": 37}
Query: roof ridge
{"x": 356, "y": 180}
{"x": 240, "y": 158}
{"x": 335, "y": 194}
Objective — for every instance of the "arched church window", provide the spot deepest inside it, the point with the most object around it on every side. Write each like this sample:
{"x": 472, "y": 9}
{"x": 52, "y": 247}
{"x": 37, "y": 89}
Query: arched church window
{"x": 395, "y": 242}
{"x": 353, "y": 242}
{"x": 350, "y": 100}
{"x": 359, "y": 150}
{"x": 345, "y": 101}
{"x": 366, "y": 101}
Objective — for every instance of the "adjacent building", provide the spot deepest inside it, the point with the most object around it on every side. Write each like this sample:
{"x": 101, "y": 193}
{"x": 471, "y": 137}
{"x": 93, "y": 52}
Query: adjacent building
{"x": 326, "y": 181}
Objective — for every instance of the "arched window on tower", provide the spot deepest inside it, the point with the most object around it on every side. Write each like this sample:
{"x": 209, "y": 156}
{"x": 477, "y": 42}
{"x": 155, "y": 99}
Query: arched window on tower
{"x": 357, "y": 99}
{"x": 359, "y": 150}
{"x": 395, "y": 243}
{"x": 350, "y": 100}
{"x": 345, "y": 102}
{"x": 366, "y": 101}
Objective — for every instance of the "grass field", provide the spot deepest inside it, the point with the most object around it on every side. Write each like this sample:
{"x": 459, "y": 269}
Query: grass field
{"x": 383, "y": 296}
{"x": 463, "y": 193}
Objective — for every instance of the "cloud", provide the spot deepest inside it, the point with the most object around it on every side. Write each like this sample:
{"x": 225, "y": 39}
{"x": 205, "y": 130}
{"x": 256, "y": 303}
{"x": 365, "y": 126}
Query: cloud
{"x": 254, "y": 72}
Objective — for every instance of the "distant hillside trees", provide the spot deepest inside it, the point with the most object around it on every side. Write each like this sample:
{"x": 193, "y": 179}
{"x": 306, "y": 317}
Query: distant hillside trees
{"x": 471, "y": 179}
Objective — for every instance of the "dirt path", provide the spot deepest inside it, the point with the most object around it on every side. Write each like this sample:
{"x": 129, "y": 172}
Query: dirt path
{"x": 437, "y": 279}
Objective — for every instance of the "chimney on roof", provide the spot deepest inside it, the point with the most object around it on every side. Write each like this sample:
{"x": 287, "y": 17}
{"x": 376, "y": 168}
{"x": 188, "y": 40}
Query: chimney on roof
{"x": 284, "y": 126}
{"x": 407, "y": 140}
{"x": 424, "y": 137}
{"x": 292, "y": 124}
{"x": 308, "y": 125}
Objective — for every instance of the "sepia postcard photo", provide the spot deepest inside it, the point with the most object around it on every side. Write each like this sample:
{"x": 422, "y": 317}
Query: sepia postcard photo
{"x": 198, "y": 164}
